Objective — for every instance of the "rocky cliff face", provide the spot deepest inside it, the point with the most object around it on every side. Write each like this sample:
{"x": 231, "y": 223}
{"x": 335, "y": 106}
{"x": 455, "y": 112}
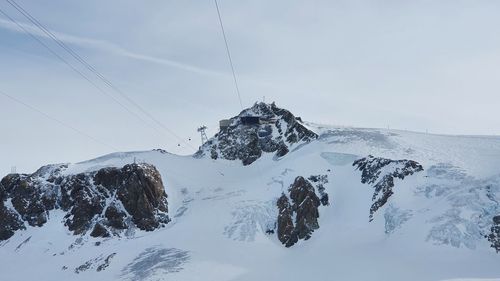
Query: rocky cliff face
{"x": 380, "y": 173}
{"x": 104, "y": 202}
{"x": 297, "y": 212}
{"x": 278, "y": 132}
{"x": 494, "y": 236}
{"x": 10, "y": 222}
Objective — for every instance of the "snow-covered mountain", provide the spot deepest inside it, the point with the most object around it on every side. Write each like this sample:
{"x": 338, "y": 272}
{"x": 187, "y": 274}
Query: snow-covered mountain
{"x": 267, "y": 198}
{"x": 263, "y": 128}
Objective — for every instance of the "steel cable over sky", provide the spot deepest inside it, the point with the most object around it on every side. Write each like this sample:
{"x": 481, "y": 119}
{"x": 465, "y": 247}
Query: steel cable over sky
{"x": 92, "y": 69}
{"x": 81, "y": 74}
{"x": 228, "y": 54}
{"x": 62, "y": 123}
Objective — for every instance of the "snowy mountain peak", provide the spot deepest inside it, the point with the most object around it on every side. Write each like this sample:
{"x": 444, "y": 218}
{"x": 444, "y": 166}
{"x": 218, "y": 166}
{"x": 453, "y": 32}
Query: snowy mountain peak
{"x": 262, "y": 128}
{"x": 323, "y": 211}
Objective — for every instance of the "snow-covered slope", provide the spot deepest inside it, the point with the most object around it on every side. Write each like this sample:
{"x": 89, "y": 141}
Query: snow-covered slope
{"x": 225, "y": 219}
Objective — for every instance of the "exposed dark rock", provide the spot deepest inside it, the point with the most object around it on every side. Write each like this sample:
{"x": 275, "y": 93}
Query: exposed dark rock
{"x": 144, "y": 197}
{"x": 320, "y": 181}
{"x": 276, "y": 131}
{"x": 282, "y": 150}
{"x": 87, "y": 203}
{"x": 106, "y": 263}
{"x": 84, "y": 267}
{"x": 286, "y": 228}
{"x": 140, "y": 190}
{"x": 115, "y": 218}
{"x": 325, "y": 201}
{"x": 99, "y": 264}
{"x": 27, "y": 198}
{"x": 371, "y": 173}
{"x": 304, "y": 208}
{"x": 496, "y": 220}
{"x": 99, "y": 231}
{"x": 494, "y": 236}
{"x": 87, "y": 198}
{"x": 3, "y": 193}
{"x": 109, "y": 178}
{"x": 10, "y": 222}
{"x": 269, "y": 231}
{"x": 305, "y": 205}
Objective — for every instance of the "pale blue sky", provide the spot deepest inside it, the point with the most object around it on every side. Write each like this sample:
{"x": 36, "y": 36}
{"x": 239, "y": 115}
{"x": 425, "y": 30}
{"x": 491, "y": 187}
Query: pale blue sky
{"x": 413, "y": 65}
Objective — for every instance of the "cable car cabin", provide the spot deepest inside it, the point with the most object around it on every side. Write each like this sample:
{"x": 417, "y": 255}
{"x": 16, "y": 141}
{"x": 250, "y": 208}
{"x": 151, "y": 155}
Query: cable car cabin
{"x": 250, "y": 120}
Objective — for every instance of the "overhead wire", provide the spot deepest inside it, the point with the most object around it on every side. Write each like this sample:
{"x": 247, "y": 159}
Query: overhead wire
{"x": 228, "y": 54}
{"x": 62, "y": 123}
{"x": 101, "y": 77}
{"x": 81, "y": 74}
{"x": 92, "y": 69}
{"x": 54, "y": 37}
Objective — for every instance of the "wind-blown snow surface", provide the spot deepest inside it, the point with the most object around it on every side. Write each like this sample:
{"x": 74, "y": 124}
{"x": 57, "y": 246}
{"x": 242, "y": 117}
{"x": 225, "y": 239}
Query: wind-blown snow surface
{"x": 431, "y": 228}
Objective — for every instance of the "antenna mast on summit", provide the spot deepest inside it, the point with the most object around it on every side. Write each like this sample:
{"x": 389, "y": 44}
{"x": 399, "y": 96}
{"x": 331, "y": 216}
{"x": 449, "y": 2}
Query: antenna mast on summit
{"x": 202, "y": 131}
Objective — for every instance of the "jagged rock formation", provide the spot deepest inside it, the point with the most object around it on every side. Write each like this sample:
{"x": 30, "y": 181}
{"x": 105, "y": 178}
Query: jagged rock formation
{"x": 275, "y": 131}
{"x": 303, "y": 207}
{"x": 286, "y": 228}
{"x": 494, "y": 236}
{"x": 381, "y": 172}
{"x": 106, "y": 201}
{"x": 320, "y": 181}
{"x": 10, "y": 222}
{"x": 142, "y": 195}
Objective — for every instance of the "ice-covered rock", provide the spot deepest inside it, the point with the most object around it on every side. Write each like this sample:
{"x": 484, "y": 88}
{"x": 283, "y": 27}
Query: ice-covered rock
{"x": 380, "y": 173}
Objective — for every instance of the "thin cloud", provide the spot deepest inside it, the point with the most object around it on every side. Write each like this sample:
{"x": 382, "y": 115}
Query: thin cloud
{"x": 108, "y": 47}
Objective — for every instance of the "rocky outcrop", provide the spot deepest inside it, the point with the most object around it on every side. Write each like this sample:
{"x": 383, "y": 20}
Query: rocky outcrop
{"x": 28, "y": 198}
{"x": 115, "y": 217}
{"x": 319, "y": 181}
{"x": 104, "y": 202}
{"x": 85, "y": 202}
{"x": 140, "y": 192}
{"x": 380, "y": 173}
{"x": 302, "y": 204}
{"x": 99, "y": 231}
{"x": 286, "y": 228}
{"x": 494, "y": 236}
{"x": 10, "y": 222}
{"x": 305, "y": 204}
{"x": 275, "y": 131}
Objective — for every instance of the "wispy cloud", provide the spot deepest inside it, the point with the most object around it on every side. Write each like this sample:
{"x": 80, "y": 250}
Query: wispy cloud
{"x": 108, "y": 47}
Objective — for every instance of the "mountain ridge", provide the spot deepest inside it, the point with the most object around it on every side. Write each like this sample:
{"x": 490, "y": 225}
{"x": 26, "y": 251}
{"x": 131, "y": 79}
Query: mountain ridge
{"x": 222, "y": 214}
